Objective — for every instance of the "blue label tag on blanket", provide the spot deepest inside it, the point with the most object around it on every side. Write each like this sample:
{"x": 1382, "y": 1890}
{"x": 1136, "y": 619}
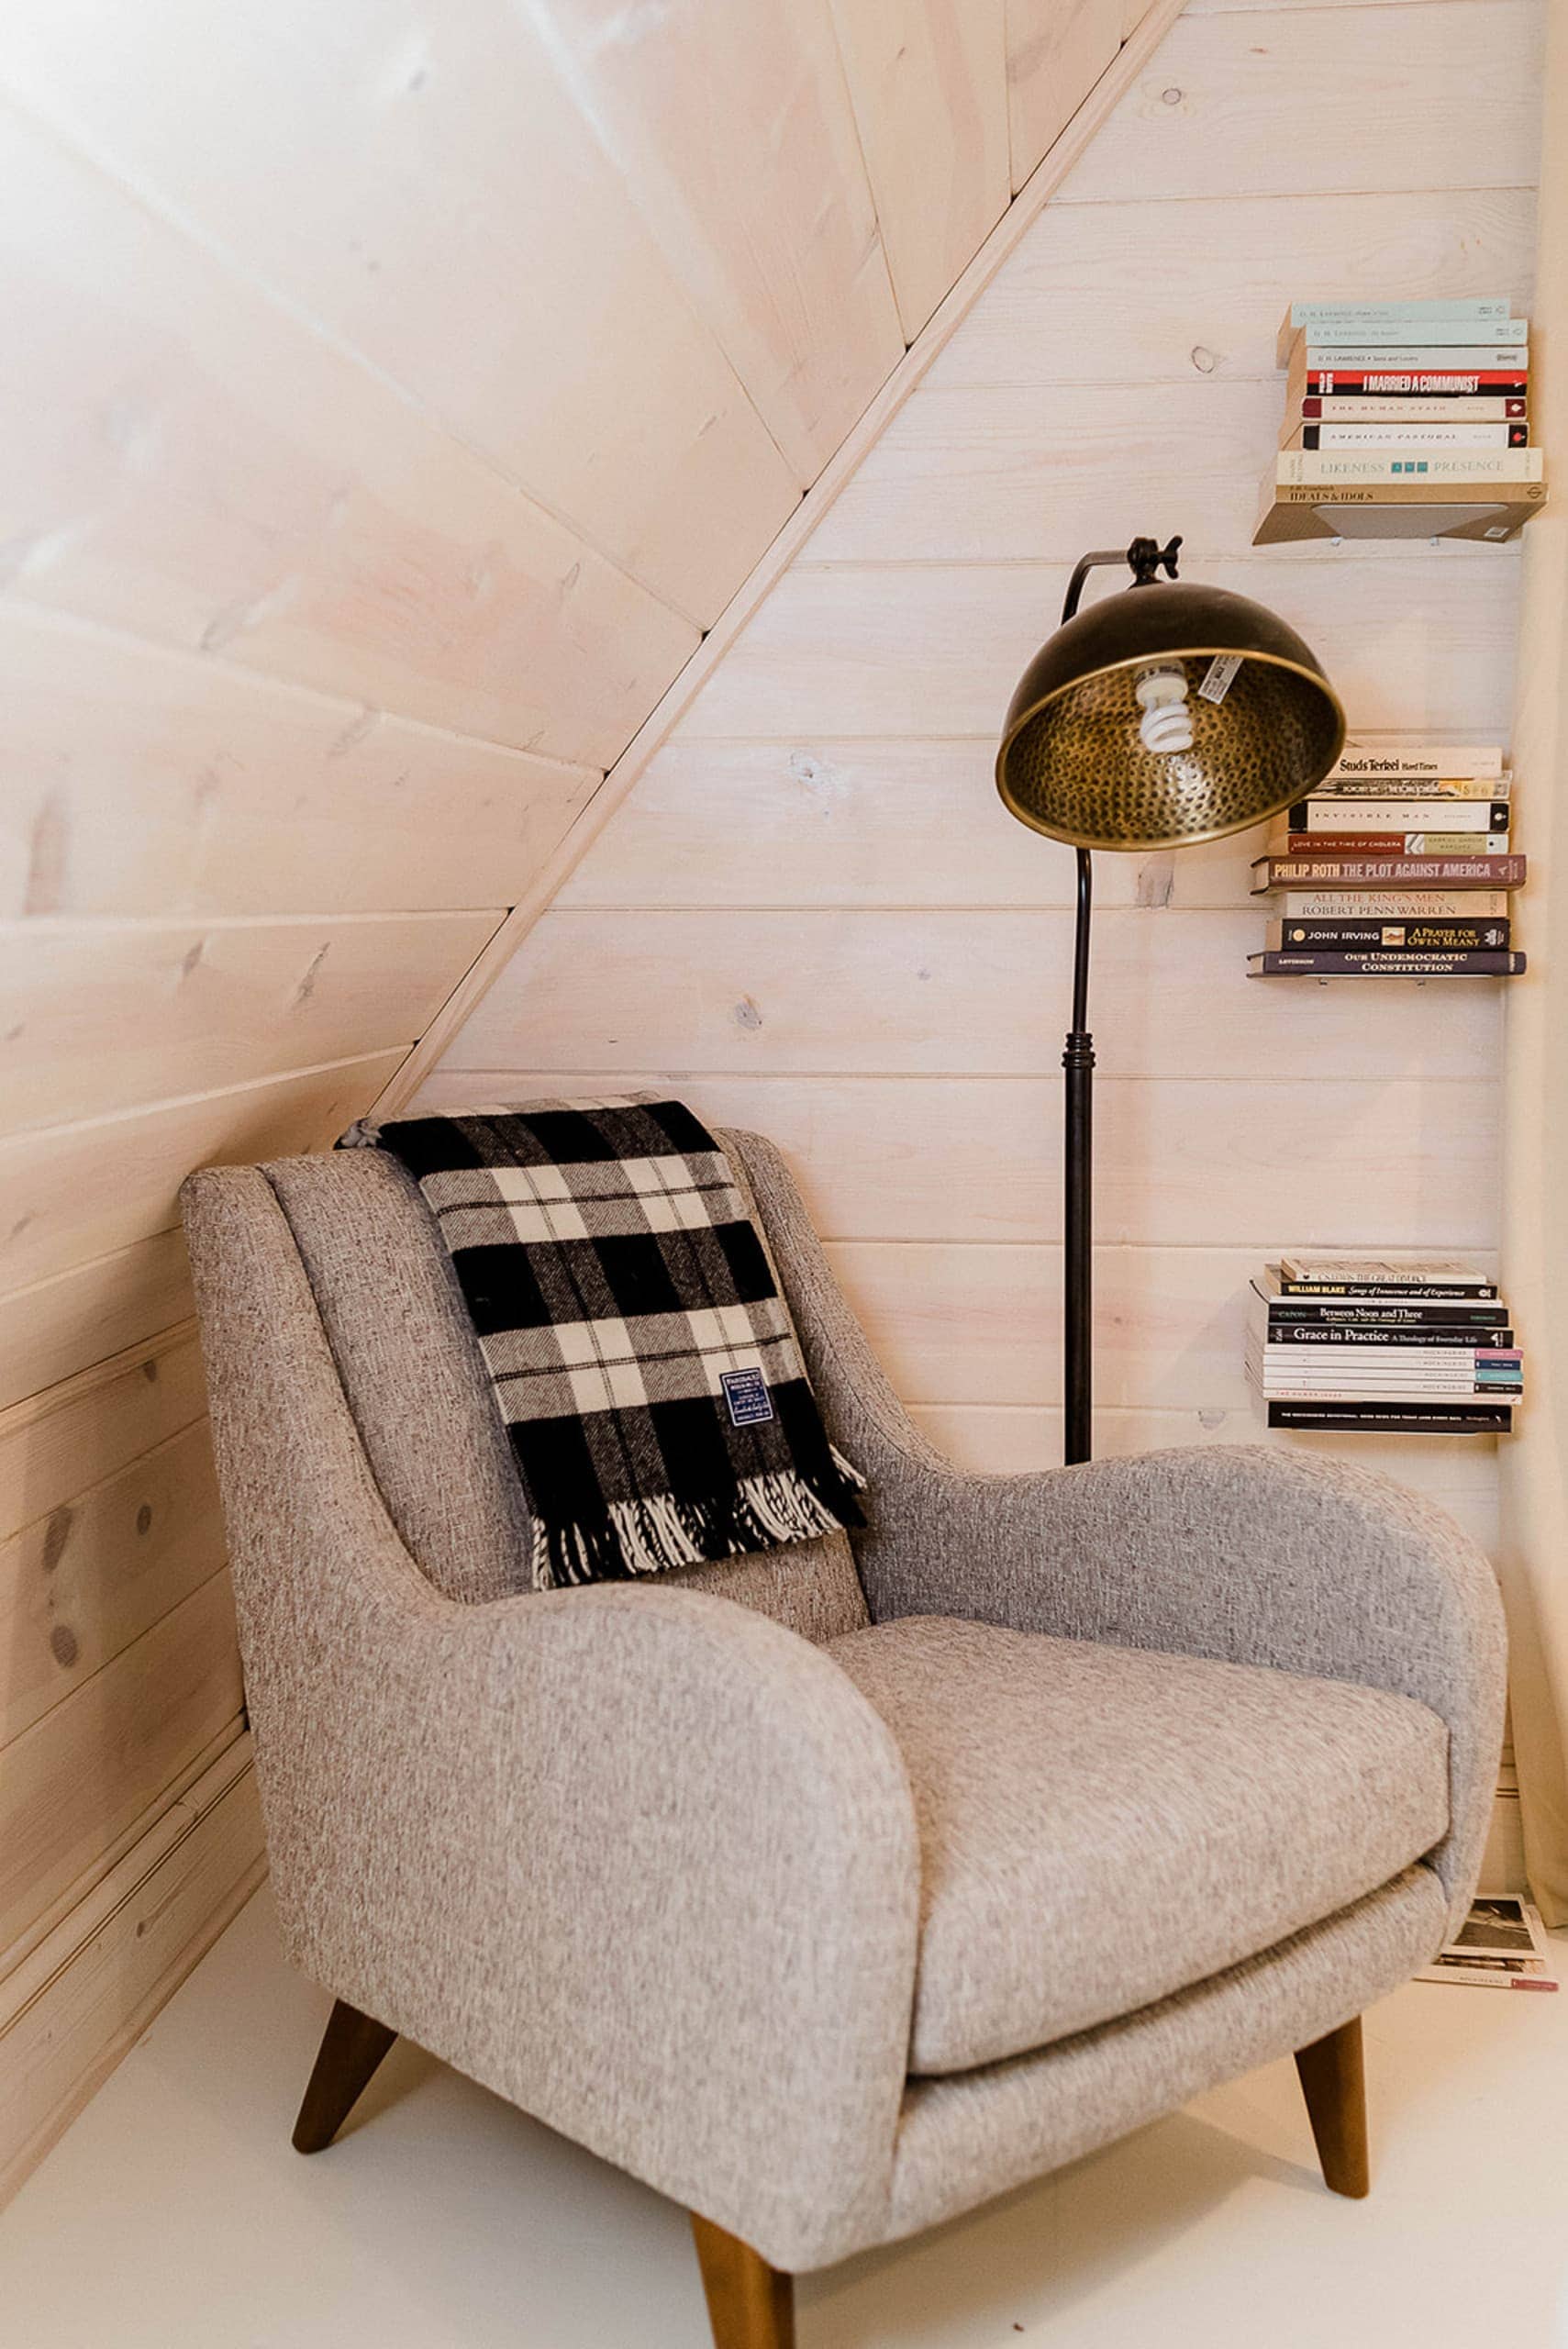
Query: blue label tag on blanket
{"x": 746, "y": 1392}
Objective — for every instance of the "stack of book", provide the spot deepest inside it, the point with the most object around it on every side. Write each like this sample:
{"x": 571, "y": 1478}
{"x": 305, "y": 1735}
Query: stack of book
{"x": 1391, "y": 1347}
{"x": 1398, "y": 866}
{"x": 1396, "y": 406}
{"x": 1500, "y": 1946}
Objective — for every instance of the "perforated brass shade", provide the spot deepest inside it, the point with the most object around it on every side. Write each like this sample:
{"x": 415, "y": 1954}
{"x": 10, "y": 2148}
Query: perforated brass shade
{"x": 1071, "y": 764}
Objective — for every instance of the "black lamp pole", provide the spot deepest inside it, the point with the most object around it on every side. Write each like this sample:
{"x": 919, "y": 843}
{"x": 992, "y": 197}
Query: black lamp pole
{"x": 1145, "y": 557}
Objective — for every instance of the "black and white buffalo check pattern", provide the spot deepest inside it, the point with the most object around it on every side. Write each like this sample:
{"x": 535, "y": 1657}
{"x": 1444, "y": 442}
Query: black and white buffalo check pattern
{"x": 642, "y": 1360}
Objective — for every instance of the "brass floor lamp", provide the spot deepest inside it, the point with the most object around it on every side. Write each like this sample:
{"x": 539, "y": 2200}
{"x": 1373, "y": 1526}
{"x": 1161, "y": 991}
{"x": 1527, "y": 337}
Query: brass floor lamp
{"x": 1150, "y": 721}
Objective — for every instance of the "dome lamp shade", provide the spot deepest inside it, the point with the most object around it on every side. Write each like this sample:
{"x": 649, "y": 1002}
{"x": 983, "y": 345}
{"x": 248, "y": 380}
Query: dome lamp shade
{"x": 1094, "y": 748}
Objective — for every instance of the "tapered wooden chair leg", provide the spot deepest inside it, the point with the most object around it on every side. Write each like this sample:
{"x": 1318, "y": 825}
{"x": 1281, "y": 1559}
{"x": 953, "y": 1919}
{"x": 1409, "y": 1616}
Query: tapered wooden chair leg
{"x": 1333, "y": 2080}
{"x": 351, "y": 2046}
{"x": 750, "y": 2304}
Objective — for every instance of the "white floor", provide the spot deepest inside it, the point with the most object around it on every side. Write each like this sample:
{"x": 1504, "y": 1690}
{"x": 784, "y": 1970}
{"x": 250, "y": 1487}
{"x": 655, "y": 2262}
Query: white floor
{"x": 174, "y": 2216}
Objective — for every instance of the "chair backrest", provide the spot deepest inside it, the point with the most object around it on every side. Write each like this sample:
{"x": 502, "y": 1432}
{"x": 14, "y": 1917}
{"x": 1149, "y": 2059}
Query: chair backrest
{"x": 415, "y": 1384}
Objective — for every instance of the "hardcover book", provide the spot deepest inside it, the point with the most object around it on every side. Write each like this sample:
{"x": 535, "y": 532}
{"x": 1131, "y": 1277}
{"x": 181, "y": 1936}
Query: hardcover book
{"x": 1321, "y": 435}
{"x": 1443, "y": 306}
{"x": 1394, "y": 1396}
{"x": 1429, "y": 791}
{"x": 1443, "y": 937}
{"x": 1383, "y": 1313}
{"x": 1284, "y": 964}
{"x": 1327, "y": 871}
{"x": 1394, "y": 1419}
{"x": 1319, "y": 352}
{"x": 1308, "y": 468}
{"x": 1293, "y": 514}
{"x": 1413, "y": 1370}
{"x": 1442, "y": 1338}
{"x": 1414, "y": 1373}
{"x": 1444, "y": 765}
{"x": 1389, "y": 408}
{"x": 1363, "y": 811}
{"x": 1386, "y": 844}
{"x": 1302, "y": 1272}
{"x": 1397, "y": 906}
{"x": 1406, "y": 378}
{"x": 1396, "y": 327}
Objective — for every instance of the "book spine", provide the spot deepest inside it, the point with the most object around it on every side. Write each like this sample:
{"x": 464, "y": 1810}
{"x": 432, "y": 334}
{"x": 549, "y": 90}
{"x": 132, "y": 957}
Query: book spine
{"x": 1360, "y": 811}
{"x": 1320, "y": 1380}
{"x": 1394, "y": 335}
{"x": 1305, "y": 468}
{"x": 1417, "y": 762}
{"x": 1386, "y": 1313}
{"x": 1400, "y": 1360}
{"x": 1456, "y": 1394}
{"x": 1321, "y": 871}
{"x": 1411, "y": 436}
{"x": 1427, "y": 790}
{"x": 1440, "y": 408}
{"x": 1339, "y": 382}
{"x": 1482, "y": 306}
{"x": 1372, "y": 358}
{"x": 1398, "y": 1292}
{"x": 1397, "y": 905}
{"x": 1398, "y": 843}
{"x": 1443, "y": 1337}
{"x": 1284, "y": 964}
{"x": 1504, "y": 506}
{"x": 1395, "y": 1418}
{"x": 1450, "y": 937}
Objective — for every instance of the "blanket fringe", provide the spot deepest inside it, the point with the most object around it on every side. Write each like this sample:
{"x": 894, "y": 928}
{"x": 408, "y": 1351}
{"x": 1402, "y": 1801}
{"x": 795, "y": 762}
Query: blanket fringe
{"x": 658, "y": 1532}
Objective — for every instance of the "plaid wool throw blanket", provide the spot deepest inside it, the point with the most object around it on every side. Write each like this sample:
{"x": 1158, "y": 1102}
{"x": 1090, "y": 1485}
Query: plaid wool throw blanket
{"x": 641, "y": 1357}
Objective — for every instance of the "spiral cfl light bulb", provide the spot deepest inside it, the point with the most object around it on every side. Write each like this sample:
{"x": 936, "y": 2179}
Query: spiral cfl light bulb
{"x": 1167, "y": 722}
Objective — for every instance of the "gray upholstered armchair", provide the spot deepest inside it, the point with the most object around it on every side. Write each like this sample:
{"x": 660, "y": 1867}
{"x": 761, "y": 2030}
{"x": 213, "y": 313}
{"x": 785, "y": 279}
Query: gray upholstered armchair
{"x": 924, "y": 1867}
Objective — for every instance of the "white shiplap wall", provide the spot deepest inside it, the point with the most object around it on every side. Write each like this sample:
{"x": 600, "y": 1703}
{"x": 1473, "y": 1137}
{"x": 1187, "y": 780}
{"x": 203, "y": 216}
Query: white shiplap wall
{"x": 393, "y": 395}
{"x": 812, "y": 915}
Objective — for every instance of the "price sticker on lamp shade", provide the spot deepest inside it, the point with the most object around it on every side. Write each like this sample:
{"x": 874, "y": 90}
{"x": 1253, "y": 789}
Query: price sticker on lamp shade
{"x": 1220, "y": 676}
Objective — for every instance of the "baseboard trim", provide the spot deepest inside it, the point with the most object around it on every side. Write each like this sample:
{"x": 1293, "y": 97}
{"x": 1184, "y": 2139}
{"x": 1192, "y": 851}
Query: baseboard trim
{"x": 78, "y": 2002}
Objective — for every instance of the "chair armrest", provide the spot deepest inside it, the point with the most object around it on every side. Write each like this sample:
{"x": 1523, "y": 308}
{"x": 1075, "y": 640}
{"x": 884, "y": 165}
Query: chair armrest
{"x": 1251, "y": 1554}
{"x": 638, "y": 1859}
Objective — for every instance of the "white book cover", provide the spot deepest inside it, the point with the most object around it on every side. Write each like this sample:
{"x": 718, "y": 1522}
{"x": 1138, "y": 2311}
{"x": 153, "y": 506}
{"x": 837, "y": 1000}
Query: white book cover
{"x": 1384, "y": 1272}
{"x": 1431, "y": 358}
{"x": 1430, "y": 787}
{"x": 1450, "y": 1361}
{"x": 1440, "y": 408}
{"x": 1475, "y": 305}
{"x": 1359, "y": 814}
{"x": 1311, "y": 468}
{"x": 1397, "y": 905}
{"x": 1411, "y": 844}
{"x": 1334, "y": 435}
{"x": 1417, "y": 763}
{"x": 1396, "y": 334}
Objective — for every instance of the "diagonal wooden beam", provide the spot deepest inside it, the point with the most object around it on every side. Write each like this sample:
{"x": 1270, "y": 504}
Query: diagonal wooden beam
{"x": 944, "y": 322}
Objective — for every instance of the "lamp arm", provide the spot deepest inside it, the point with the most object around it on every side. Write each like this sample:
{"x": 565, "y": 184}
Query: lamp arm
{"x": 1145, "y": 558}
{"x": 1081, "y": 570}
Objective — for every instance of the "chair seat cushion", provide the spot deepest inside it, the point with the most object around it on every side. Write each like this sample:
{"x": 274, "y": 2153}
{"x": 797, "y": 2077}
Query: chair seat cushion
{"x": 1102, "y": 1826}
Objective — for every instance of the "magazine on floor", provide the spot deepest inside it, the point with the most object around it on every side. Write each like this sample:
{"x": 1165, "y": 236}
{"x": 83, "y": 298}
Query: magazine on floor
{"x": 1501, "y": 1945}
